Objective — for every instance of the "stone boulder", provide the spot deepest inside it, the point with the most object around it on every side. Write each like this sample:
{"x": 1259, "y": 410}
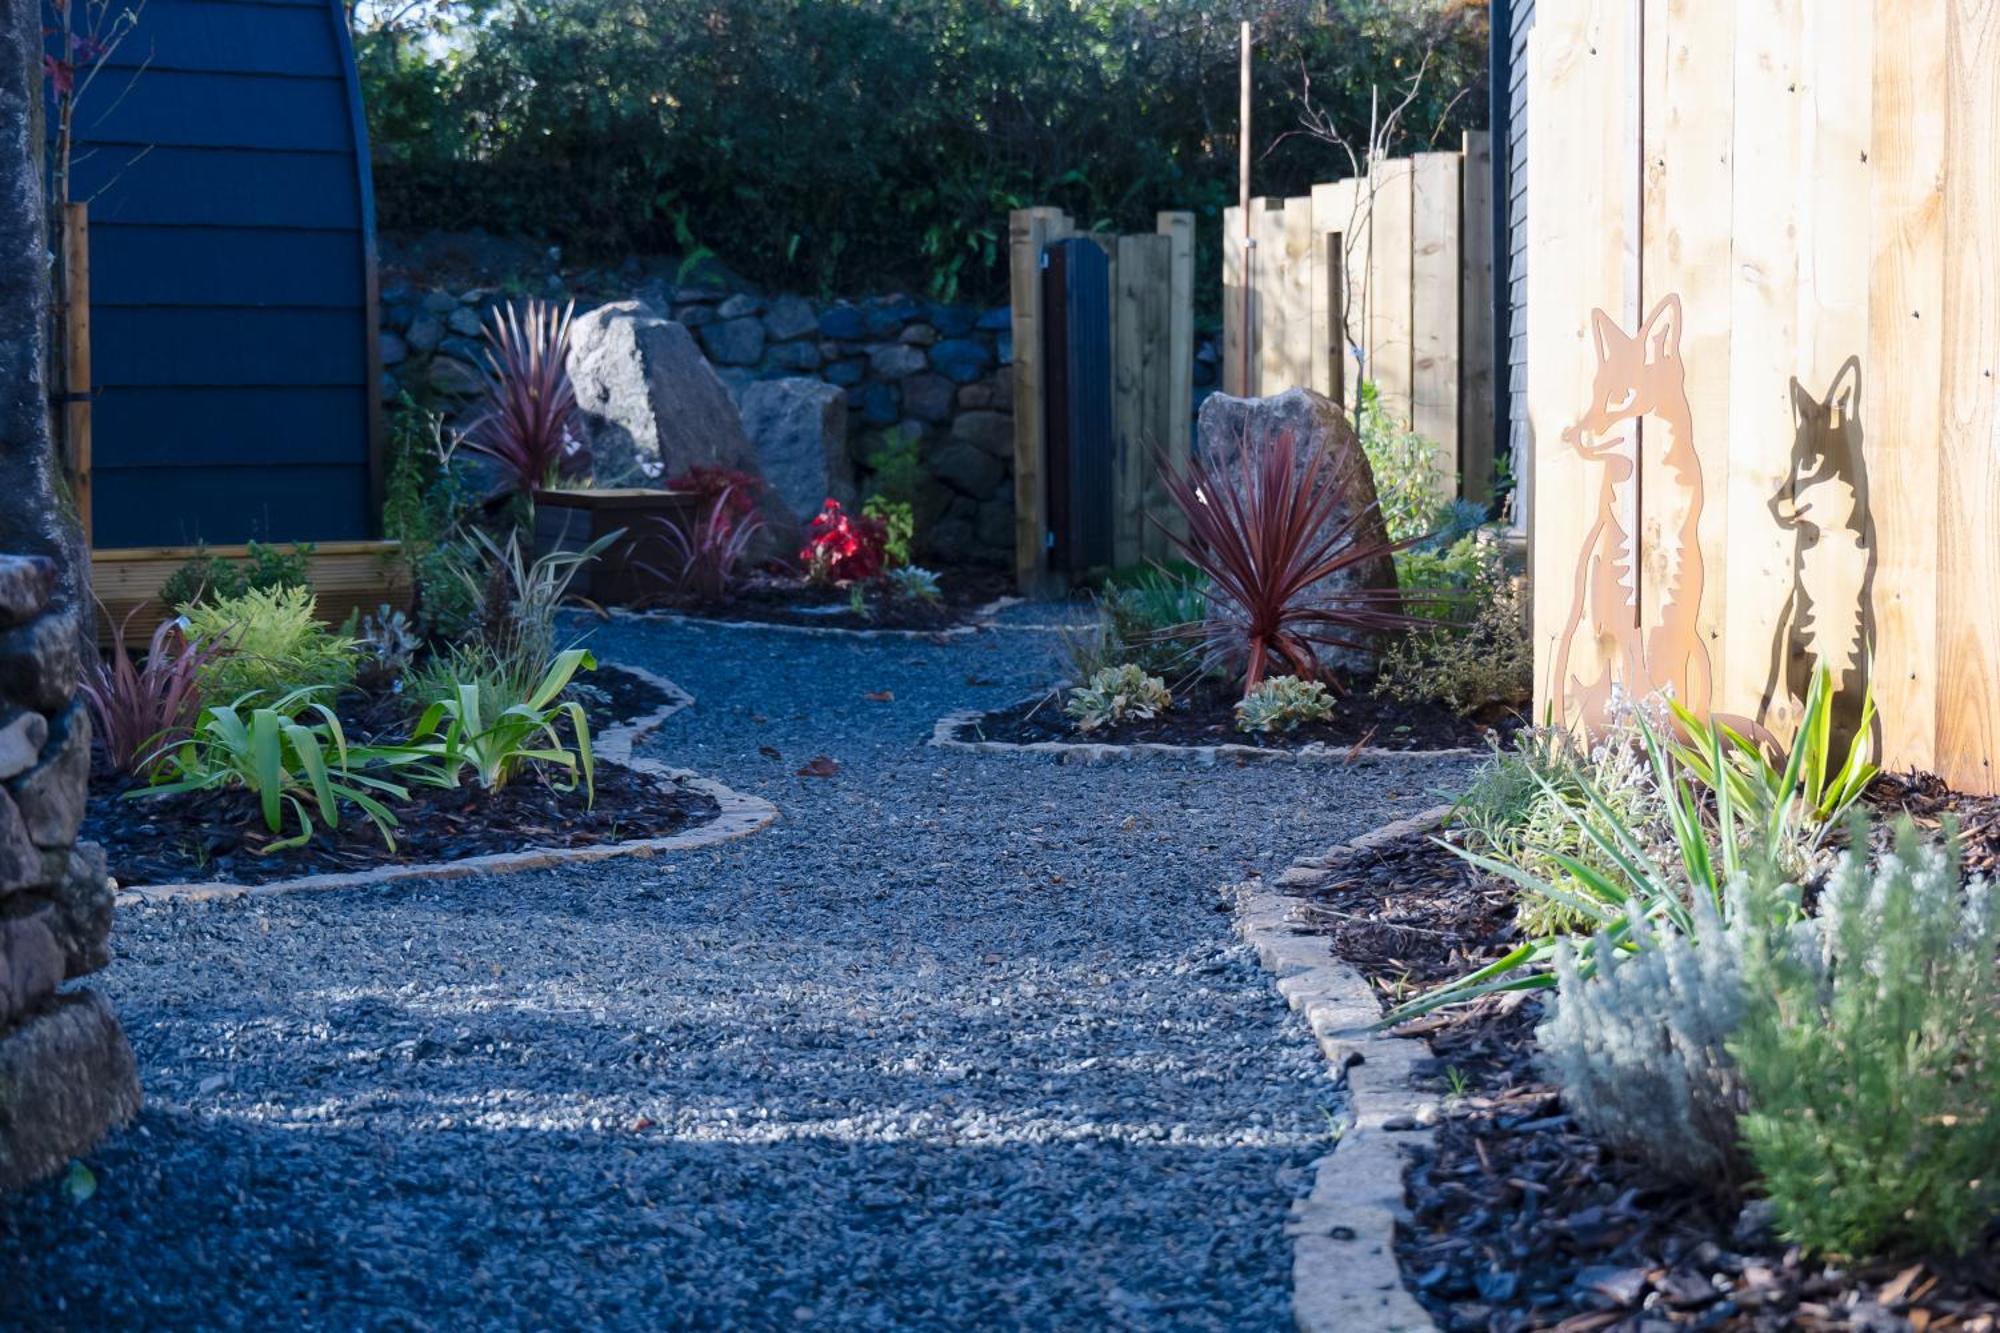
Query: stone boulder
{"x": 1231, "y": 428}
{"x": 652, "y": 406}
{"x": 799, "y": 429}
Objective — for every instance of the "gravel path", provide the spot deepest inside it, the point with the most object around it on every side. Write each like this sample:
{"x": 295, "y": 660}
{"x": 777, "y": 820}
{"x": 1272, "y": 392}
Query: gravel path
{"x": 962, "y": 1042}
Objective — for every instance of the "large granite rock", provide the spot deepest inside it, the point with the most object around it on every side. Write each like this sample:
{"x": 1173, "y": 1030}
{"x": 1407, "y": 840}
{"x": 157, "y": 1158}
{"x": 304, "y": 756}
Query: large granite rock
{"x": 1231, "y": 428}
{"x": 653, "y": 407}
{"x": 799, "y": 429}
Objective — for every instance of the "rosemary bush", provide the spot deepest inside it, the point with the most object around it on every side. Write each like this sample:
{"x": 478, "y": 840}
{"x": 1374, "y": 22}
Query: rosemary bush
{"x": 1872, "y": 1057}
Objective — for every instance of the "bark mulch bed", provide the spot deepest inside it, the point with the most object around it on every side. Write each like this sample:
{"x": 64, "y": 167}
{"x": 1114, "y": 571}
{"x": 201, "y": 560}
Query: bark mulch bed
{"x": 787, "y": 599}
{"x": 215, "y": 835}
{"x": 1518, "y": 1219}
{"x": 1204, "y": 714}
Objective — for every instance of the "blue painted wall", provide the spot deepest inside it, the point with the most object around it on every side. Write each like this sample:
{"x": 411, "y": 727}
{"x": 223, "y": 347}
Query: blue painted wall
{"x": 225, "y": 158}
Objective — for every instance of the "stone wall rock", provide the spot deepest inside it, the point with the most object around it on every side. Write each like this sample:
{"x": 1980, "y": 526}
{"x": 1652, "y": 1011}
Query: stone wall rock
{"x": 799, "y": 429}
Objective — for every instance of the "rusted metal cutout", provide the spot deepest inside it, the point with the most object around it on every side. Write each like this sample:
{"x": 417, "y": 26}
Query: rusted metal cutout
{"x": 1634, "y": 608}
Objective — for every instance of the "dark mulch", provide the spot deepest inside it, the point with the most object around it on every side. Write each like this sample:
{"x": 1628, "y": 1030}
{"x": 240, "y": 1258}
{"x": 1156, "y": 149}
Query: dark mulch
{"x": 1519, "y": 1220}
{"x": 1930, "y": 802}
{"x": 1204, "y": 714}
{"x": 217, "y": 835}
{"x": 787, "y": 599}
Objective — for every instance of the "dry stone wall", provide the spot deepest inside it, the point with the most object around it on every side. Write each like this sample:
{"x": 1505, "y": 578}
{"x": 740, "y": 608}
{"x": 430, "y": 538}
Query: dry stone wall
{"x": 66, "y": 1072}
{"x": 936, "y": 375}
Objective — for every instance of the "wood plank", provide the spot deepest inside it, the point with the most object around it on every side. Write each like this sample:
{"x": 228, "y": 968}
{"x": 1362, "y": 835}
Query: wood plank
{"x": 1340, "y": 208}
{"x": 1583, "y": 173}
{"x": 1235, "y": 302}
{"x": 1177, "y": 441}
{"x": 1298, "y": 350}
{"x": 1435, "y": 282}
{"x": 1138, "y": 310}
{"x": 1689, "y": 146}
{"x": 1764, "y": 316}
{"x": 346, "y": 577}
{"x": 1969, "y": 453}
{"x": 76, "y": 361}
{"x": 1027, "y": 236}
{"x": 1477, "y": 429}
{"x": 1906, "y": 365}
{"x": 1828, "y": 511}
{"x": 1391, "y": 228}
{"x": 1269, "y": 360}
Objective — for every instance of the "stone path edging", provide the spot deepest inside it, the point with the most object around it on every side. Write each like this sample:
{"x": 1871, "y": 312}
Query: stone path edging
{"x": 1345, "y": 1274}
{"x": 739, "y": 817}
{"x": 948, "y": 735}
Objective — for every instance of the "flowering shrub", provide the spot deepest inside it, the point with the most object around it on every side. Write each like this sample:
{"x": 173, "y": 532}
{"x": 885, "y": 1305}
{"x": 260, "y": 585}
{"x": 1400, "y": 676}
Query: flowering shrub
{"x": 843, "y": 549}
{"x": 738, "y": 490}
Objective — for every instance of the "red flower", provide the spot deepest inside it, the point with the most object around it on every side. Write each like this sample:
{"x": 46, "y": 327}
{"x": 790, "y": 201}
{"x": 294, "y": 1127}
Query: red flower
{"x": 843, "y": 549}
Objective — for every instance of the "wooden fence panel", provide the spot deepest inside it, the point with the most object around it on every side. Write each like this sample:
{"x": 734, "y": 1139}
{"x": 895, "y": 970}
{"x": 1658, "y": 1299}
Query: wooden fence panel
{"x": 1764, "y": 347}
{"x": 1905, "y": 353}
{"x": 1339, "y": 208}
{"x": 1578, "y": 258}
{"x": 1968, "y": 574}
{"x": 1151, "y": 373}
{"x": 1389, "y": 282}
{"x": 1235, "y": 302}
{"x": 1435, "y": 259}
{"x": 1141, "y": 384}
{"x": 1686, "y": 250}
{"x": 1826, "y": 222}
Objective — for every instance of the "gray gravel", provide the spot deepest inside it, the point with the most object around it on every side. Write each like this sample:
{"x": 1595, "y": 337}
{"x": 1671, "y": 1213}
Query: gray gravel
{"x": 963, "y": 1041}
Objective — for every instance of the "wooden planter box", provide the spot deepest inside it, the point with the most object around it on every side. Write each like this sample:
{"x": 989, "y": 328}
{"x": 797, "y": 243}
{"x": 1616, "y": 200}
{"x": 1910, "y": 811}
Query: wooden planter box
{"x": 572, "y": 520}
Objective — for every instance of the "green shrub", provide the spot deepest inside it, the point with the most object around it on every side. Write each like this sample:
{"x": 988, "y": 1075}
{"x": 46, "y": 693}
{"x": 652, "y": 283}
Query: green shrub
{"x": 1117, "y": 694}
{"x": 209, "y": 578}
{"x": 832, "y": 144}
{"x": 1551, "y": 800}
{"x": 1872, "y": 1058}
{"x": 1282, "y": 703}
{"x": 479, "y": 725}
{"x": 899, "y": 527}
{"x": 1153, "y": 622}
{"x": 1409, "y": 489}
{"x": 427, "y": 507}
{"x": 1487, "y": 662}
{"x": 272, "y": 644}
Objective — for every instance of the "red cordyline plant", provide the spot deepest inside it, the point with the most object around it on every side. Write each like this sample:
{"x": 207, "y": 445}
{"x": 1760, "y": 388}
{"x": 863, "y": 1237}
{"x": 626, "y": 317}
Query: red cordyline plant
{"x": 1264, "y": 532}
{"x": 142, "y": 711}
{"x": 841, "y": 548}
{"x": 528, "y": 423}
{"x": 704, "y": 555}
{"x": 709, "y": 480}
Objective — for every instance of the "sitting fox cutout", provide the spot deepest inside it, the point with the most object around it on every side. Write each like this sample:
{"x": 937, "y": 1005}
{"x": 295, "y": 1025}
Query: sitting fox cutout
{"x": 1637, "y": 602}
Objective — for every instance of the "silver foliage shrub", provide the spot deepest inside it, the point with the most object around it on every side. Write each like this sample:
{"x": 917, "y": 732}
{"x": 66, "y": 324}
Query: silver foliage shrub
{"x": 1639, "y": 1048}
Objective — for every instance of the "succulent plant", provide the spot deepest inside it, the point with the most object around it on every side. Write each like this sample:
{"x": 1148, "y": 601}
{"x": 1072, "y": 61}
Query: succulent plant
{"x": 1117, "y": 694}
{"x": 1282, "y": 703}
{"x": 914, "y": 583}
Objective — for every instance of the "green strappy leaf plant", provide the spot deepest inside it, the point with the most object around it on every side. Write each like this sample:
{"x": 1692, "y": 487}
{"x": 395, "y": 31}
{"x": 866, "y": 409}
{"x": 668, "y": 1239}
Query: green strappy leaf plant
{"x": 474, "y": 726}
{"x": 293, "y": 768}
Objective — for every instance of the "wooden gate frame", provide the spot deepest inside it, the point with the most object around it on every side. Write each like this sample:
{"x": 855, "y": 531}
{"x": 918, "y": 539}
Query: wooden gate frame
{"x": 1152, "y": 358}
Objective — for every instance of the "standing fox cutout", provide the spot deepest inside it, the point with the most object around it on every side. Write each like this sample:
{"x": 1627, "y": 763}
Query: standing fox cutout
{"x": 1637, "y": 601}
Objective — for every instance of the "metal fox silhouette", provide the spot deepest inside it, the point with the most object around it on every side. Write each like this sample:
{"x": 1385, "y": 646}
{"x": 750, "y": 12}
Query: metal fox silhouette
{"x": 1638, "y": 601}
